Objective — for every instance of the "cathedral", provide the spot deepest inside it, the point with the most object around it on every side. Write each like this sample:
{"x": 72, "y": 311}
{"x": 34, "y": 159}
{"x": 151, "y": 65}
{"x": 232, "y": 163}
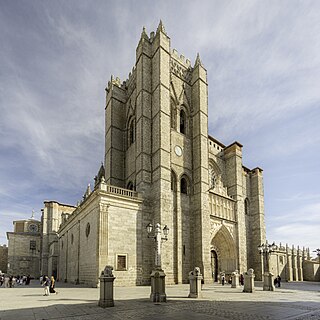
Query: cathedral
{"x": 160, "y": 166}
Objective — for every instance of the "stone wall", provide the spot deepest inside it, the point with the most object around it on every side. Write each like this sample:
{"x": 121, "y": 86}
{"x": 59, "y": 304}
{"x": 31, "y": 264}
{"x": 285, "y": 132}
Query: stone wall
{"x": 106, "y": 229}
{"x": 3, "y": 258}
{"x": 22, "y": 260}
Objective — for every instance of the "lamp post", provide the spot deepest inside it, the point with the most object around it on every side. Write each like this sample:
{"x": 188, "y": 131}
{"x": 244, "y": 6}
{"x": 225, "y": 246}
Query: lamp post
{"x": 318, "y": 253}
{"x": 158, "y": 293}
{"x": 265, "y": 250}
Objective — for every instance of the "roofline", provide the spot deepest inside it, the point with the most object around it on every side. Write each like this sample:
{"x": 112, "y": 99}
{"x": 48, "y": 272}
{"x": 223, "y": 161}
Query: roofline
{"x": 216, "y": 141}
{"x": 61, "y": 204}
{"x": 235, "y": 142}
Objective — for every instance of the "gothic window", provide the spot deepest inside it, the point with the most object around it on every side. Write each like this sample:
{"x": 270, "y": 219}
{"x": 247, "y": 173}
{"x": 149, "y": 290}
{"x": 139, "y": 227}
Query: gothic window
{"x": 212, "y": 177}
{"x": 173, "y": 115}
{"x": 183, "y": 124}
{"x": 173, "y": 181}
{"x": 72, "y": 238}
{"x": 184, "y": 186}
{"x": 130, "y": 185}
{"x": 131, "y": 133}
{"x": 246, "y": 206}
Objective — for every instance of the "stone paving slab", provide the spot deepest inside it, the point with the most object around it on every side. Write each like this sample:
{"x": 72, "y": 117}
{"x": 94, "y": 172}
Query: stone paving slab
{"x": 293, "y": 301}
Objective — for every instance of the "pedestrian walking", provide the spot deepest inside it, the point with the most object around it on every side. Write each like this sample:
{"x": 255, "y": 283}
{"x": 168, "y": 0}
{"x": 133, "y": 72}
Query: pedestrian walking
{"x": 222, "y": 280}
{"x": 279, "y": 281}
{"x": 46, "y": 284}
{"x": 241, "y": 279}
{"x": 52, "y": 285}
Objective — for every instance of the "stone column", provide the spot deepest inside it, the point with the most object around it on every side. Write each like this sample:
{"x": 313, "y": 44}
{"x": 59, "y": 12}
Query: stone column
{"x": 249, "y": 281}
{"x": 294, "y": 264}
{"x": 268, "y": 281}
{"x": 158, "y": 286}
{"x": 235, "y": 279}
{"x": 299, "y": 264}
{"x": 289, "y": 265}
{"x": 106, "y": 288}
{"x": 195, "y": 278}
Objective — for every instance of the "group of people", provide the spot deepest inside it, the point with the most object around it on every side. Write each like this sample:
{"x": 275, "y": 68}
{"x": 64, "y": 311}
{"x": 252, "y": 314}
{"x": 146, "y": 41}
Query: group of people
{"x": 10, "y": 281}
{"x": 48, "y": 284}
{"x": 277, "y": 280}
{"x": 223, "y": 279}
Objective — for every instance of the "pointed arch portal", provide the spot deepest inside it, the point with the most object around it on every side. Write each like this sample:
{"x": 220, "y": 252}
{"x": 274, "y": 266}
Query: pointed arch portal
{"x": 223, "y": 253}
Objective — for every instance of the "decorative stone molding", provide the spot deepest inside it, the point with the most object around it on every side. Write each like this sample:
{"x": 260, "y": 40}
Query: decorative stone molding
{"x": 181, "y": 72}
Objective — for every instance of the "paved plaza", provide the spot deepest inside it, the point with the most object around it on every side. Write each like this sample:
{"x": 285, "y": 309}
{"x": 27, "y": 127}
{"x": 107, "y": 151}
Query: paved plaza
{"x": 292, "y": 301}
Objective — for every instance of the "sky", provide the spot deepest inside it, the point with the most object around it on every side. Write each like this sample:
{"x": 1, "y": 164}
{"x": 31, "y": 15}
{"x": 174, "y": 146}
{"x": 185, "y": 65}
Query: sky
{"x": 263, "y": 64}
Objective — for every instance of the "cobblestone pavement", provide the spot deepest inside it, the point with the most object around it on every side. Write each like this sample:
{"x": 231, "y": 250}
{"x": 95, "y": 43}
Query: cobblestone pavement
{"x": 298, "y": 301}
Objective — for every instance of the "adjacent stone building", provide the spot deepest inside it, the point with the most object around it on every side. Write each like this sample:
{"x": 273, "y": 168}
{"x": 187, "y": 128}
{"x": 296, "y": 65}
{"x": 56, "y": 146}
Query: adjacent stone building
{"x": 294, "y": 264}
{"x": 24, "y": 248}
{"x": 3, "y": 258}
{"x": 53, "y": 214}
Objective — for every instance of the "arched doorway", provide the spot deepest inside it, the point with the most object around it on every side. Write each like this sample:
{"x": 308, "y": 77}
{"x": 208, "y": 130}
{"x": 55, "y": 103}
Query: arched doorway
{"x": 224, "y": 258}
{"x": 214, "y": 265}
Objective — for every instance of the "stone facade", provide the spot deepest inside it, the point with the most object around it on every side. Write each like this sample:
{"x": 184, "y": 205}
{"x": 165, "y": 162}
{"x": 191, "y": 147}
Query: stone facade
{"x": 294, "y": 264}
{"x": 53, "y": 214}
{"x": 24, "y": 248}
{"x": 105, "y": 229}
{"x": 3, "y": 258}
{"x": 157, "y": 144}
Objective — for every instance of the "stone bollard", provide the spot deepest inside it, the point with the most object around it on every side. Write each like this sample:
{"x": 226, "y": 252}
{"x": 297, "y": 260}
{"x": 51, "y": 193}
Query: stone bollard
{"x": 158, "y": 286}
{"x": 106, "y": 288}
{"x": 268, "y": 282}
{"x": 195, "y": 278}
{"x": 248, "y": 281}
{"x": 235, "y": 279}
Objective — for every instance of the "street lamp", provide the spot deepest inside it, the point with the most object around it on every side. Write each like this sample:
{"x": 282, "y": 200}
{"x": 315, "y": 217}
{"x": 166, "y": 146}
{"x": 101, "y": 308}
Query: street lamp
{"x": 265, "y": 250}
{"x": 157, "y": 236}
{"x": 318, "y": 253}
{"x": 158, "y": 293}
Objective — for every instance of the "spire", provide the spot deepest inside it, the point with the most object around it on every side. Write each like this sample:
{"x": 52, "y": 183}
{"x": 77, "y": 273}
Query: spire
{"x": 87, "y": 193}
{"x": 32, "y": 214}
{"x": 144, "y": 33}
{"x": 198, "y": 61}
{"x": 98, "y": 178}
{"x": 161, "y": 28}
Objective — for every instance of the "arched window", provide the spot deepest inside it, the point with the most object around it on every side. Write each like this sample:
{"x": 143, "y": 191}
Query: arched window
{"x": 130, "y": 185}
{"x": 212, "y": 177}
{"x": 132, "y": 133}
{"x": 246, "y": 206}
{"x": 173, "y": 115}
{"x": 183, "y": 123}
{"x": 184, "y": 186}
{"x": 173, "y": 181}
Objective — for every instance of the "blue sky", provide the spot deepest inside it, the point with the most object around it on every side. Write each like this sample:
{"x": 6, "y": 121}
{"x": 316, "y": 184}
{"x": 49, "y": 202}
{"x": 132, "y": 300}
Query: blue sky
{"x": 263, "y": 65}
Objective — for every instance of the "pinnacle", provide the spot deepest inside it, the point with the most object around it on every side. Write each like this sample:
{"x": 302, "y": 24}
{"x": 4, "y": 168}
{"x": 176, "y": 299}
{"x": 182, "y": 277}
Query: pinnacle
{"x": 161, "y": 27}
{"x": 144, "y": 33}
{"x": 198, "y": 61}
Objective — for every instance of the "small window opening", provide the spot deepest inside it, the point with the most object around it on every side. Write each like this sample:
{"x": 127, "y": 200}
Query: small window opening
{"x": 184, "y": 186}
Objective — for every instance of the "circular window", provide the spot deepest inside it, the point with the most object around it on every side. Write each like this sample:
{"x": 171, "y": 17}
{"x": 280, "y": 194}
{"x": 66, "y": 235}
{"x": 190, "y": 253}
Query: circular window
{"x": 88, "y": 229}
